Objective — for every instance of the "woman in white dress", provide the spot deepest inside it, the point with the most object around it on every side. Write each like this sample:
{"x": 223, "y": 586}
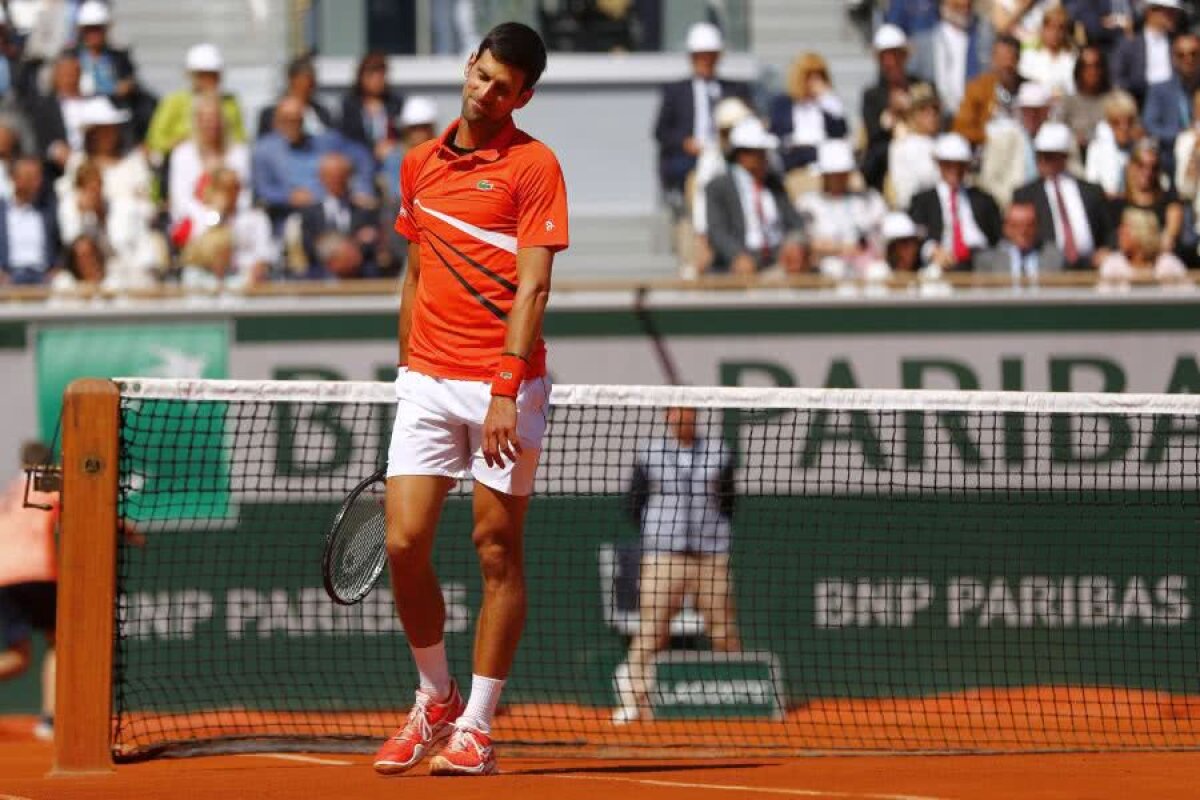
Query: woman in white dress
{"x": 208, "y": 148}
{"x": 1051, "y": 62}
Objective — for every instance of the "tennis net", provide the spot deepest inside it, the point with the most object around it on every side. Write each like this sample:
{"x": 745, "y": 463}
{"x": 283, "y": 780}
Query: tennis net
{"x": 908, "y": 571}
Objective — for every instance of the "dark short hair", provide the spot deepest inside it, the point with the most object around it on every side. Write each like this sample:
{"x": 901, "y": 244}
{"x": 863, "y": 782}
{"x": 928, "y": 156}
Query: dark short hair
{"x": 301, "y": 65}
{"x": 517, "y": 45}
{"x": 1105, "y": 79}
{"x": 1008, "y": 40}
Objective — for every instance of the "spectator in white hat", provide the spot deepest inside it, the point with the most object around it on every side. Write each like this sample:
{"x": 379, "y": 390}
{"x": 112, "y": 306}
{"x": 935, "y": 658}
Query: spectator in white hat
{"x": 885, "y": 104}
{"x": 842, "y": 225}
{"x": 752, "y": 226}
{"x": 1145, "y": 59}
{"x": 1108, "y": 152}
{"x": 808, "y": 114}
{"x": 713, "y": 162}
{"x": 1071, "y": 213}
{"x": 685, "y": 117}
{"x": 1051, "y": 60}
{"x": 959, "y": 220}
{"x": 172, "y": 121}
{"x": 901, "y": 242}
{"x": 1006, "y": 160}
{"x": 911, "y": 167}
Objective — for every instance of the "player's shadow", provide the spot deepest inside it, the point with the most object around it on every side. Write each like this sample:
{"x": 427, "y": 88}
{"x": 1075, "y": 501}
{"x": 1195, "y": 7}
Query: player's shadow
{"x": 626, "y": 769}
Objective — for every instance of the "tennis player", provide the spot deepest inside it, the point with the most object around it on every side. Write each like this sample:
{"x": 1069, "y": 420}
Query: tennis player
{"x": 484, "y": 211}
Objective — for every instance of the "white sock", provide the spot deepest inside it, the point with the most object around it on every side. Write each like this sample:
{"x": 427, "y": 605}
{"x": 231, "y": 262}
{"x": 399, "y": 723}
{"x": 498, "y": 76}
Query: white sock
{"x": 481, "y": 707}
{"x": 433, "y": 668}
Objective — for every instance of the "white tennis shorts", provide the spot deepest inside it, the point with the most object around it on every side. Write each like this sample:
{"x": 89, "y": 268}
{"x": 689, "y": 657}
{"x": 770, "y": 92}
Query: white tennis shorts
{"x": 439, "y": 430}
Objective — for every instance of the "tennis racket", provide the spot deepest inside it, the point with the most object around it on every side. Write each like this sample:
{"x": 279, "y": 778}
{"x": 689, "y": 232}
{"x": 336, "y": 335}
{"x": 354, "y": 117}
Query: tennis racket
{"x": 355, "y": 549}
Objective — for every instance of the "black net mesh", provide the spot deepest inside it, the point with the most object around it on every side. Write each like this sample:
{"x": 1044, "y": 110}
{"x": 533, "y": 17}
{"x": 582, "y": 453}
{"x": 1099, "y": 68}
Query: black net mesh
{"x": 783, "y": 580}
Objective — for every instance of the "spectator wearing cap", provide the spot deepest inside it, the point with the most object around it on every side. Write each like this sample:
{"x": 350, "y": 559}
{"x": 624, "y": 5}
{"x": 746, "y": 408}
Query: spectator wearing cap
{"x": 285, "y": 165}
{"x": 752, "y": 226}
{"x": 911, "y": 166}
{"x": 172, "y": 121}
{"x": 1071, "y": 213}
{"x": 57, "y": 117}
{"x": 992, "y": 94}
{"x": 1083, "y": 109}
{"x": 370, "y": 106}
{"x": 912, "y": 16}
{"x": 959, "y": 221}
{"x": 108, "y": 70}
{"x": 685, "y": 116}
{"x": 208, "y": 148}
{"x": 1168, "y": 110}
{"x": 808, "y": 114}
{"x": 841, "y": 224}
{"x": 713, "y": 162}
{"x": 1006, "y": 160}
{"x": 1019, "y": 254}
{"x": 1142, "y": 60}
{"x": 1051, "y": 61}
{"x": 901, "y": 242}
{"x": 335, "y": 214}
{"x": 301, "y": 84}
{"x": 885, "y": 104}
{"x": 29, "y": 238}
{"x": 1108, "y": 152}
{"x": 951, "y": 54}
{"x": 127, "y": 174}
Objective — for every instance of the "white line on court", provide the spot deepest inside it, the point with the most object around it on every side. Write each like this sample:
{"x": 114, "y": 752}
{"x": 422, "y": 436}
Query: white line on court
{"x": 329, "y": 762}
{"x": 753, "y": 789}
{"x": 12, "y": 797}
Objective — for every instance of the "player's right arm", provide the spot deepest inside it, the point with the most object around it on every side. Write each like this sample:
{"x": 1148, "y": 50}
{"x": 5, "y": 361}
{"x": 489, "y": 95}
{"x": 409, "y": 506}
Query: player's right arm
{"x": 408, "y": 298}
{"x": 406, "y": 227}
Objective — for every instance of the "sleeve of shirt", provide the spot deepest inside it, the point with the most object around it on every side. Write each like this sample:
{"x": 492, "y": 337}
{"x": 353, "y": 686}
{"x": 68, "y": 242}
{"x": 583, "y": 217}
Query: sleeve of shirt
{"x": 404, "y": 219}
{"x": 542, "y": 205}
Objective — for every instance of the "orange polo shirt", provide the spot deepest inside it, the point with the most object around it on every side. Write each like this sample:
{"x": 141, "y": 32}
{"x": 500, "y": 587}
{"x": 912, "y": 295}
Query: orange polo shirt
{"x": 471, "y": 213}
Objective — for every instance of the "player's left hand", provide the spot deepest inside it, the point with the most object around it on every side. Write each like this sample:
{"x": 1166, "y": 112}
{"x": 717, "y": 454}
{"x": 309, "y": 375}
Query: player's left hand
{"x": 500, "y": 432}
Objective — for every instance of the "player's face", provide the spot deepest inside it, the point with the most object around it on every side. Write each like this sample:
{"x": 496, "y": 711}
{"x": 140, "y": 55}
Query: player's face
{"x": 493, "y": 90}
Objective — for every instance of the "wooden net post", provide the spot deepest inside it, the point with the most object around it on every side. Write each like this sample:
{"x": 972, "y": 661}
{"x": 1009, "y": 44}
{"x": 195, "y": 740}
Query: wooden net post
{"x": 87, "y": 577}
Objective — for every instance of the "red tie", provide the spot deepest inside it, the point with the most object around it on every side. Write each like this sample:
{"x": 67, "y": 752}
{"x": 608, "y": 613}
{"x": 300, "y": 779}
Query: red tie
{"x": 1070, "y": 252}
{"x": 958, "y": 244}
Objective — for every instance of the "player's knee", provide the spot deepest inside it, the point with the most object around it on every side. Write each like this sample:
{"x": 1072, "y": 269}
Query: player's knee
{"x": 408, "y": 552}
{"x": 499, "y": 561}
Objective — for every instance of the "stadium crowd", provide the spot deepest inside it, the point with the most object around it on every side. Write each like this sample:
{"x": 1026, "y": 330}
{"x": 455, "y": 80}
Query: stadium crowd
{"x": 1009, "y": 137}
{"x": 101, "y": 182}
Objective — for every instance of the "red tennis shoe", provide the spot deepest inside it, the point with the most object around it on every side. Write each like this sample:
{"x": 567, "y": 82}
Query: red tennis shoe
{"x": 429, "y": 724}
{"x": 469, "y": 753}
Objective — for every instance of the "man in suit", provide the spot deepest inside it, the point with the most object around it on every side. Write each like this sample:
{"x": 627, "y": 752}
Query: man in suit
{"x": 29, "y": 239}
{"x": 752, "y": 225}
{"x": 1018, "y": 254}
{"x": 1140, "y": 61}
{"x": 992, "y": 94}
{"x": 1168, "y": 110}
{"x": 884, "y": 104}
{"x": 685, "y": 121}
{"x": 951, "y": 53}
{"x": 959, "y": 221}
{"x": 336, "y": 214}
{"x": 1071, "y": 213}
{"x": 108, "y": 70}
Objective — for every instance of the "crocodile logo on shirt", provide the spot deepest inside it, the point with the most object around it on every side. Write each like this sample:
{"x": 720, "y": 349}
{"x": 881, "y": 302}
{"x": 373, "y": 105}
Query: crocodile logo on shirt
{"x": 484, "y": 185}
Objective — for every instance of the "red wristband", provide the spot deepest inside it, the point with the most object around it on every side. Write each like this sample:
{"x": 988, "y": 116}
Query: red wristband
{"x": 509, "y": 375}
